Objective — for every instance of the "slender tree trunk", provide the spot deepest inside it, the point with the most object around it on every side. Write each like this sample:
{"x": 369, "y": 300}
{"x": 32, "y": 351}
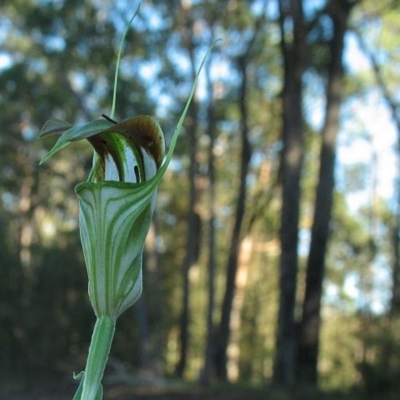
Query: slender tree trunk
{"x": 224, "y": 328}
{"x": 395, "y": 298}
{"x": 206, "y": 373}
{"x": 193, "y": 219}
{"x": 193, "y": 222}
{"x": 233, "y": 350}
{"x": 220, "y": 356}
{"x": 293, "y": 51}
{"x": 151, "y": 338}
{"x": 311, "y": 317}
{"x": 144, "y": 352}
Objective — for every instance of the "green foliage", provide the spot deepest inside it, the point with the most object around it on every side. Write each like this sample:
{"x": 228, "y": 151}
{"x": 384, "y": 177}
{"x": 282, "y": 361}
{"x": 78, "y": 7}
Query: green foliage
{"x": 378, "y": 357}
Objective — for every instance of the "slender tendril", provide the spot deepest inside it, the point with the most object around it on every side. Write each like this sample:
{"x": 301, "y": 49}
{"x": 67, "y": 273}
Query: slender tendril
{"x": 185, "y": 110}
{"x": 114, "y": 100}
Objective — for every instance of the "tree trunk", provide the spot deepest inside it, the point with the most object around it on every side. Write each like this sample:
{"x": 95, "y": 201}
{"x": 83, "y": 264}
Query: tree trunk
{"x": 193, "y": 219}
{"x": 191, "y": 256}
{"x": 311, "y": 318}
{"x": 220, "y": 356}
{"x": 233, "y": 350}
{"x": 151, "y": 336}
{"x": 293, "y": 51}
{"x": 206, "y": 373}
{"x": 394, "y": 310}
{"x": 144, "y": 351}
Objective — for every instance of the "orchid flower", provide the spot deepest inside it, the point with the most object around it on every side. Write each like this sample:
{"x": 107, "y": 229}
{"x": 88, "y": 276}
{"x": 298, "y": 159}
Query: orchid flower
{"x": 115, "y": 209}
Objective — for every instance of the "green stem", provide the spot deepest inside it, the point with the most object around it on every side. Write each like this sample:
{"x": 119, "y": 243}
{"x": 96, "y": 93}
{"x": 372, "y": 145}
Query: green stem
{"x": 99, "y": 349}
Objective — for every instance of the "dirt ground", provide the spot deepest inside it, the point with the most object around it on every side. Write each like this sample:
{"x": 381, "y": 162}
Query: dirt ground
{"x": 128, "y": 392}
{"x": 173, "y": 390}
{"x": 194, "y": 393}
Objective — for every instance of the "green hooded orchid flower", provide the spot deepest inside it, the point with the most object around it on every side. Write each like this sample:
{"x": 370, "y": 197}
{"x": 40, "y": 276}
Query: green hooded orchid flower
{"x": 115, "y": 210}
{"x": 115, "y": 205}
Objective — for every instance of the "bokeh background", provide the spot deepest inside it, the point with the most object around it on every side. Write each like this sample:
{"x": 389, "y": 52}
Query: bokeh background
{"x": 273, "y": 256}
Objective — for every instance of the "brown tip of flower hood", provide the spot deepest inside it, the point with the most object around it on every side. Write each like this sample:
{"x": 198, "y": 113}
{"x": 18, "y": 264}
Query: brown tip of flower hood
{"x": 145, "y": 132}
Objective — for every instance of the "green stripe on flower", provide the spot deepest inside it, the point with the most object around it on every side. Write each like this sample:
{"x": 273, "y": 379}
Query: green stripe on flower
{"x": 114, "y": 220}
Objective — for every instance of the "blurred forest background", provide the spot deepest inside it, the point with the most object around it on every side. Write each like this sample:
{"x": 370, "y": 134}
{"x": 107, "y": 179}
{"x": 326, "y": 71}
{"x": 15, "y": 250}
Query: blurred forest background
{"x": 274, "y": 253}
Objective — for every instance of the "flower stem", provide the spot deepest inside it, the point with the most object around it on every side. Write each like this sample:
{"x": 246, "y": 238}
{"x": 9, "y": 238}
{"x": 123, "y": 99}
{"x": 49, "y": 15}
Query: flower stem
{"x": 99, "y": 349}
